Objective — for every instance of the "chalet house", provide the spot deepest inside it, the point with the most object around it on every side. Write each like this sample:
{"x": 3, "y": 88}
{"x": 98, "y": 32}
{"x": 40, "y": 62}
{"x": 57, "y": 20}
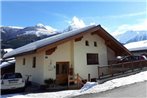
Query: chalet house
{"x": 81, "y": 50}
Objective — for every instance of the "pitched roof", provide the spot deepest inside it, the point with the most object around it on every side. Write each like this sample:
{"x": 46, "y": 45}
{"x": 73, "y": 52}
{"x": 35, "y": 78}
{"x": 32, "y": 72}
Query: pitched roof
{"x": 137, "y": 46}
{"x": 32, "y": 47}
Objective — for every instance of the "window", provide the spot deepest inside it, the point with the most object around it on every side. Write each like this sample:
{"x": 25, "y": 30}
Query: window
{"x": 92, "y": 59}
{"x": 86, "y": 43}
{"x": 95, "y": 44}
{"x": 57, "y": 69}
{"x": 34, "y": 62}
{"x": 24, "y": 61}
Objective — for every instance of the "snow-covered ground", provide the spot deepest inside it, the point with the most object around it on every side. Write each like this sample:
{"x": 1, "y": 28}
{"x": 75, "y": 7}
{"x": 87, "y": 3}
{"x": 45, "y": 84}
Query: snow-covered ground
{"x": 88, "y": 88}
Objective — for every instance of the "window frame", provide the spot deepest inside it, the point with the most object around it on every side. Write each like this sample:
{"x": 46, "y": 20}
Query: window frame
{"x": 95, "y": 44}
{"x": 34, "y": 62}
{"x": 86, "y": 43}
{"x": 23, "y": 61}
{"x": 94, "y": 60}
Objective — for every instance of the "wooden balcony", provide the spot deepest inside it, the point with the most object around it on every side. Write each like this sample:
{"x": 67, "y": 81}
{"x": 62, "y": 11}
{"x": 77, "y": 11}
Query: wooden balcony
{"x": 120, "y": 68}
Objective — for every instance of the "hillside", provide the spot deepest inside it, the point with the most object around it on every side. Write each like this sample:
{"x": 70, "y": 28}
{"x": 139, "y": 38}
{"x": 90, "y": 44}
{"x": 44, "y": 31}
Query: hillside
{"x": 132, "y": 36}
{"x": 10, "y": 36}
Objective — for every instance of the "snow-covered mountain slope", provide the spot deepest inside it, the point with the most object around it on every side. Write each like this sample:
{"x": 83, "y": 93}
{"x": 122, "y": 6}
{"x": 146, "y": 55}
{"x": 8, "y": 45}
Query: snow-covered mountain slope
{"x": 9, "y": 32}
{"x": 140, "y": 45}
{"x": 132, "y": 36}
{"x": 10, "y": 36}
{"x": 38, "y": 30}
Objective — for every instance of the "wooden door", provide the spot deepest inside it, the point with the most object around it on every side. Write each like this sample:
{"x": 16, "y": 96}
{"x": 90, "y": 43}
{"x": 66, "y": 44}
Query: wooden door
{"x": 62, "y": 72}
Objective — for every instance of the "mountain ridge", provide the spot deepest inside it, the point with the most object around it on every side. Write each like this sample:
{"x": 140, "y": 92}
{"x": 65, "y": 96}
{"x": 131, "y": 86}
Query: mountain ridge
{"x": 132, "y": 36}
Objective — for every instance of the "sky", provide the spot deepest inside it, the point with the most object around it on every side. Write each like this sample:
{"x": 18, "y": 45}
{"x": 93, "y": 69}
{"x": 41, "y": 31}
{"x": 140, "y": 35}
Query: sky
{"x": 114, "y": 16}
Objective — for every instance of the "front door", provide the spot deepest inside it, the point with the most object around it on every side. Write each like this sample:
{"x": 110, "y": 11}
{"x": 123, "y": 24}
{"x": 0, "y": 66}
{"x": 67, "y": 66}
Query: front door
{"x": 62, "y": 72}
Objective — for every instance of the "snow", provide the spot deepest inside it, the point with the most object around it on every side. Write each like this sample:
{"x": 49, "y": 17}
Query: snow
{"x": 47, "y": 41}
{"x": 16, "y": 27}
{"x": 49, "y": 28}
{"x": 140, "y": 45}
{"x": 88, "y": 88}
{"x": 5, "y": 64}
{"x": 41, "y": 29}
{"x": 8, "y": 49}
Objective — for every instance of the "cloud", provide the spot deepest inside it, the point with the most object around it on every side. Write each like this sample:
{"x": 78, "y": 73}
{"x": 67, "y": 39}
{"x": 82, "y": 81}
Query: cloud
{"x": 127, "y": 15}
{"x": 77, "y": 23}
{"x": 125, "y": 27}
{"x": 60, "y": 15}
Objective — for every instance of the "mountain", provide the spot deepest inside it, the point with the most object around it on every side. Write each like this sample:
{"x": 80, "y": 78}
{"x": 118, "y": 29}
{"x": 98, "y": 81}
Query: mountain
{"x": 38, "y": 30}
{"x": 14, "y": 37}
{"x": 10, "y": 36}
{"x": 132, "y": 36}
{"x": 9, "y": 32}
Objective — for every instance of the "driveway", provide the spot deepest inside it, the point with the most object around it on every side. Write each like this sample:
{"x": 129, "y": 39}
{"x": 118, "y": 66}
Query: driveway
{"x": 137, "y": 90}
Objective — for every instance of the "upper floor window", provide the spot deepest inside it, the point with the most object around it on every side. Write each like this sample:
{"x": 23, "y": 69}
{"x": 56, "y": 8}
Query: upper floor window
{"x": 95, "y": 44}
{"x": 34, "y": 62}
{"x": 86, "y": 43}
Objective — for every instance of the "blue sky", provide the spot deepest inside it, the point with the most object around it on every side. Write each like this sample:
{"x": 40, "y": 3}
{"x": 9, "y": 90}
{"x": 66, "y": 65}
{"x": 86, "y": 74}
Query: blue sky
{"x": 111, "y": 15}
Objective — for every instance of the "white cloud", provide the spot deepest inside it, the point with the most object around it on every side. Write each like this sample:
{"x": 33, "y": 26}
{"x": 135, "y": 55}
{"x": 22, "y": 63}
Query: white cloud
{"x": 125, "y": 27}
{"x": 77, "y": 23}
{"x": 127, "y": 15}
{"x": 92, "y": 23}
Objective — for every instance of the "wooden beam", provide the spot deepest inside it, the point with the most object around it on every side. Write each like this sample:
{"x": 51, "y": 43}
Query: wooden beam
{"x": 50, "y": 51}
{"x": 78, "y": 39}
{"x": 93, "y": 33}
{"x": 108, "y": 42}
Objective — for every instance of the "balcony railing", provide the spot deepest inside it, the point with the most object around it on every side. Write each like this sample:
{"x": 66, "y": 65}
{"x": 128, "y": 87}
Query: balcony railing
{"x": 113, "y": 69}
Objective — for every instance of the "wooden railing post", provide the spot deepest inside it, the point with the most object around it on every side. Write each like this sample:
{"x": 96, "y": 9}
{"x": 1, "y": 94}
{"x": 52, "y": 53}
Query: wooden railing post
{"x": 89, "y": 77}
{"x": 122, "y": 67}
{"x": 68, "y": 80}
{"x": 132, "y": 66}
{"x": 111, "y": 70}
{"x": 98, "y": 72}
{"x": 141, "y": 65}
{"x": 77, "y": 80}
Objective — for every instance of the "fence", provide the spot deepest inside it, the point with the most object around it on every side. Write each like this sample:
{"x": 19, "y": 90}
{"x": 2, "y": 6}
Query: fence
{"x": 108, "y": 71}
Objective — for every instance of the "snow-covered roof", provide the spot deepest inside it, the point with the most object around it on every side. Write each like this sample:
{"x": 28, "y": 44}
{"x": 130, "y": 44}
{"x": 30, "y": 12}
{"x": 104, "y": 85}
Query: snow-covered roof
{"x": 137, "y": 46}
{"x": 8, "y": 49}
{"x": 5, "y": 64}
{"x": 47, "y": 41}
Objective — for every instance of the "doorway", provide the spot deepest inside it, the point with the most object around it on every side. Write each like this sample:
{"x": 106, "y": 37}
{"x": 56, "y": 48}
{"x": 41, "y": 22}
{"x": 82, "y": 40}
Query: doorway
{"x": 62, "y": 73}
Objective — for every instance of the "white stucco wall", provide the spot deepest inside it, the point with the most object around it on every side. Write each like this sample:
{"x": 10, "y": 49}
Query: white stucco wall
{"x": 61, "y": 54}
{"x": 111, "y": 54}
{"x": 73, "y": 52}
{"x": 37, "y": 72}
{"x": 80, "y": 59}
